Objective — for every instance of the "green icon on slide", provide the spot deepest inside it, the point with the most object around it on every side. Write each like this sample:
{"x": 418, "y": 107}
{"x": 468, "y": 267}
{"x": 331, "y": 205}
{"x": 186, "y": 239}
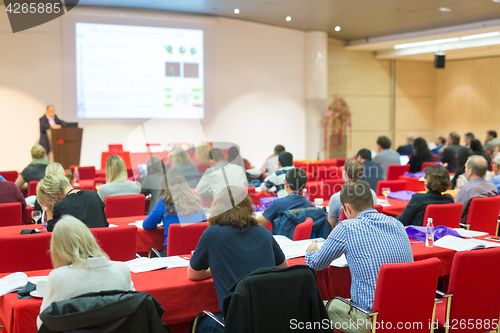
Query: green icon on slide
{"x": 193, "y": 50}
{"x": 182, "y": 50}
{"x": 169, "y": 49}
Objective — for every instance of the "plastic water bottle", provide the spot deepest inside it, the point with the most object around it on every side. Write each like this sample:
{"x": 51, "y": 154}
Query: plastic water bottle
{"x": 76, "y": 176}
{"x": 429, "y": 233}
{"x": 306, "y": 195}
{"x": 44, "y": 219}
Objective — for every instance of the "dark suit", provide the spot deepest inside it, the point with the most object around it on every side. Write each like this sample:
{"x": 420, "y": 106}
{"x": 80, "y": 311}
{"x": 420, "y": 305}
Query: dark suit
{"x": 417, "y": 161}
{"x": 415, "y": 211}
{"x": 449, "y": 155}
{"x": 44, "y": 126}
{"x": 405, "y": 150}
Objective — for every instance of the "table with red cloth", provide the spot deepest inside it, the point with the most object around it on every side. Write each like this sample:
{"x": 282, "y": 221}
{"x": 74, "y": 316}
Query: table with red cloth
{"x": 396, "y": 207}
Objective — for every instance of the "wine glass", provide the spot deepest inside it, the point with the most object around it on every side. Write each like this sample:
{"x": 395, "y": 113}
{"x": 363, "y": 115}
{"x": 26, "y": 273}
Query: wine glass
{"x": 35, "y": 215}
{"x": 385, "y": 192}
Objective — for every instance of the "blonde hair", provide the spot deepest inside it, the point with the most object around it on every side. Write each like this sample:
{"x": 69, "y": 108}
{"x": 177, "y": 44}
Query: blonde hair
{"x": 37, "y": 152}
{"x": 73, "y": 243}
{"x": 49, "y": 187}
{"x": 202, "y": 153}
{"x": 54, "y": 168}
{"x": 115, "y": 169}
{"x": 180, "y": 156}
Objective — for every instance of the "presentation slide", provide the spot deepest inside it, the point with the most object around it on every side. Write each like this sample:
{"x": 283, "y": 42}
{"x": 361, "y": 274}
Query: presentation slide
{"x": 139, "y": 72}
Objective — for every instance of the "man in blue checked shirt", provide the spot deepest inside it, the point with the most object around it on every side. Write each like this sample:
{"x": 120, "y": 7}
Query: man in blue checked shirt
{"x": 368, "y": 240}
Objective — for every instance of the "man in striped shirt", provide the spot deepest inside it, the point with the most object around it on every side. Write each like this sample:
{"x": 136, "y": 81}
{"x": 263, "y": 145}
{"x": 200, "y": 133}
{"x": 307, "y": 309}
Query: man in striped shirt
{"x": 368, "y": 240}
{"x": 277, "y": 178}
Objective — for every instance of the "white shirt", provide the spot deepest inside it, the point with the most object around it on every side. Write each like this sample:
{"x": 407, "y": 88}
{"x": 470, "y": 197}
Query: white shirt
{"x": 69, "y": 281}
{"x": 114, "y": 189}
{"x": 270, "y": 165}
{"x": 213, "y": 180}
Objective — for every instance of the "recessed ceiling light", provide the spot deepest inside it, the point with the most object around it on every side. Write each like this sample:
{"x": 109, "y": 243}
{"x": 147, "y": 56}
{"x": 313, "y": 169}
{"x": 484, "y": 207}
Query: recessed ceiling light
{"x": 337, "y": 28}
{"x": 497, "y": 1}
{"x": 236, "y": 11}
{"x": 288, "y": 18}
{"x": 444, "y": 9}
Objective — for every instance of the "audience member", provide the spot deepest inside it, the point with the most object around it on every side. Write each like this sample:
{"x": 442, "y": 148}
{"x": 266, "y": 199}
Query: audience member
{"x": 80, "y": 265}
{"x": 254, "y": 175}
{"x": 491, "y": 141}
{"x": 495, "y": 164}
{"x": 373, "y": 172}
{"x": 277, "y": 178}
{"x": 295, "y": 181}
{"x": 151, "y": 182}
{"x": 353, "y": 170}
{"x": 385, "y": 156}
{"x": 182, "y": 162}
{"x": 271, "y": 163}
{"x": 35, "y": 170}
{"x": 437, "y": 180}
{"x": 176, "y": 203}
{"x": 449, "y": 154}
{"x": 468, "y": 137}
{"x": 56, "y": 193}
{"x": 10, "y": 193}
{"x": 53, "y": 168}
{"x": 368, "y": 240}
{"x": 408, "y": 148}
{"x": 475, "y": 170}
{"x": 477, "y": 148}
{"x": 440, "y": 142}
{"x": 201, "y": 153}
{"x": 220, "y": 175}
{"x": 233, "y": 246}
{"x": 117, "y": 183}
{"x": 496, "y": 151}
{"x": 459, "y": 179}
{"x": 421, "y": 154}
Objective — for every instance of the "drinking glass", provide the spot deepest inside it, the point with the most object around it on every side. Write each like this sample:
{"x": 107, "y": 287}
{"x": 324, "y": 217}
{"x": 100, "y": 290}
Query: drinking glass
{"x": 385, "y": 192}
{"x": 35, "y": 215}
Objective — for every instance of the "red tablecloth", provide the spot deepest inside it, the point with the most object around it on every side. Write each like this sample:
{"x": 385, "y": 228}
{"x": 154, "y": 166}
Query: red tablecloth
{"x": 396, "y": 207}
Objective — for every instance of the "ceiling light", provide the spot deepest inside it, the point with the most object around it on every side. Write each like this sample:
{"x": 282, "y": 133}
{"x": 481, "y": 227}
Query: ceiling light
{"x": 444, "y": 9}
{"x": 497, "y": 1}
{"x": 487, "y": 34}
{"x": 236, "y": 11}
{"x": 337, "y": 28}
{"x": 428, "y": 42}
{"x": 288, "y": 18}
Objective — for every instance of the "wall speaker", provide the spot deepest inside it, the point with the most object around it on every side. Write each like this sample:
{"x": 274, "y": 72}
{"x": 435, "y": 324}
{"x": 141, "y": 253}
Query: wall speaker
{"x": 439, "y": 60}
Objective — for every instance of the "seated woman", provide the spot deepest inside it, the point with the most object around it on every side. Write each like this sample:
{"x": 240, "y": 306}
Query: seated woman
{"x": 233, "y": 246}
{"x": 176, "y": 203}
{"x": 182, "y": 163}
{"x": 35, "y": 170}
{"x": 421, "y": 154}
{"x": 56, "y": 193}
{"x": 151, "y": 182}
{"x": 53, "y": 168}
{"x": 116, "y": 180}
{"x": 478, "y": 149}
{"x": 80, "y": 265}
{"x": 437, "y": 180}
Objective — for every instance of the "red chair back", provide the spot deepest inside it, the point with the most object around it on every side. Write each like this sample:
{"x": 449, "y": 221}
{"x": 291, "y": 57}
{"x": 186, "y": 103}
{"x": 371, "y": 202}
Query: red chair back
{"x": 435, "y": 156}
{"x": 379, "y": 208}
{"x": 448, "y": 215}
{"x": 303, "y": 230}
{"x": 306, "y": 166}
{"x": 483, "y": 214}
{"x": 332, "y": 186}
{"x": 203, "y": 167}
{"x": 341, "y": 162}
{"x": 32, "y": 187}
{"x": 405, "y": 293}
{"x": 310, "y": 176}
{"x": 115, "y": 148}
{"x": 333, "y": 172}
{"x": 342, "y": 215}
{"x": 314, "y": 190}
{"x": 84, "y": 172}
{"x": 11, "y": 214}
{"x": 394, "y": 171}
{"x": 129, "y": 205}
{"x": 9, "y": 176}
{"x": 474, "y": 285}
{"x": 182, "y": 239}
{"x": 25, "y": 253}
{"x": 120, "y": 244}
{"x": 426, "y": 164}
{"x": 394, "y": 185}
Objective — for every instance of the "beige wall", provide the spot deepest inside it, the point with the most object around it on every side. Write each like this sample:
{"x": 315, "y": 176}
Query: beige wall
{"x": 468, "y": 97}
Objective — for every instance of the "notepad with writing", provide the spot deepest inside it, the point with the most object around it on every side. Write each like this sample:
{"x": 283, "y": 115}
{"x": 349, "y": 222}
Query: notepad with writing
{"x": 295, "y": 249}
{"x": 460, "y": 244}
{"x": 13, "y": 282}
{"x": 144, "y": 264}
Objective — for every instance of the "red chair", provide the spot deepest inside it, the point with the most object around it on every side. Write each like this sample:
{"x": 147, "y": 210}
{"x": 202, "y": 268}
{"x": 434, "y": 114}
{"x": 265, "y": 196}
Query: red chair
{"x": 435, "y": 156}
{"x": 23, "y": 253}
{"x": 473, "y": 291}
{"x": 182, "y": 239}
{"x": 32, "y": 187}
{"x": 120, "y": 244}
{"x": 129, "y": 205}
{"x": 329, "y": 173}
{"x": 314, "y": 190}
{"x": 483, "y": 215}
{"x": 448, "y": 215}
{"x": 394, "y": 171}
{"x": 379, "y": 208}
{"x": 11, "y": 214}
{"x": 341, "y": 162}
{"x": 310, "y": 176}
{"x": 303, "y": 230}
{"x": 84, "y": 172}
{"x": 203, "y": 167}
{"x": 394, "y": 185}
{"x": 426, "y": 164}
{"x": 115, "y": 148}
{"x": 343, "y": 216}
{"x": 9, "y": 176}
{"x": 332, "y": 186}
{"x": 396, "y": 303}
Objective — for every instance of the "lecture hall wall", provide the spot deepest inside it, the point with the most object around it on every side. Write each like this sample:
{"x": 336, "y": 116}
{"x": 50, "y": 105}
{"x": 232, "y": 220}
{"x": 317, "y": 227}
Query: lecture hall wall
{"x": 258, "y": 91}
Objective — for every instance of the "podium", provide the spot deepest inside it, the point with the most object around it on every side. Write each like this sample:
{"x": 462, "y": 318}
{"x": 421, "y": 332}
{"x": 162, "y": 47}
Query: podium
{"x": 65, "y": 145}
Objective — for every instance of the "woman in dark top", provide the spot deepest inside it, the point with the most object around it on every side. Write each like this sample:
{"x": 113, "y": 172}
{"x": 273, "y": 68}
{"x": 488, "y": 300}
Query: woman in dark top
{"x": 421, "y": 154}
{"x": 55, "y": 192}
{"x": 463, "y": 155}
{"x": 437, "y": 180}
{"x": 478, "y": 149}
